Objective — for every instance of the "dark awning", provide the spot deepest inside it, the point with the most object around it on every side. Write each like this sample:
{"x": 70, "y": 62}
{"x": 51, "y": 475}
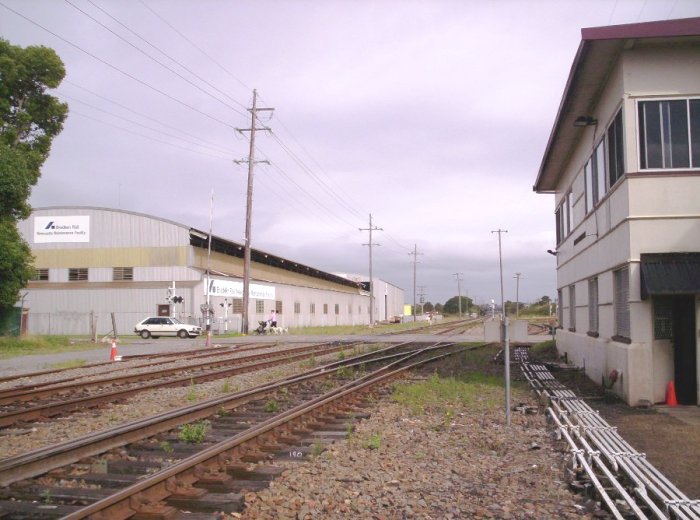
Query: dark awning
{"x": 670, "y": 273}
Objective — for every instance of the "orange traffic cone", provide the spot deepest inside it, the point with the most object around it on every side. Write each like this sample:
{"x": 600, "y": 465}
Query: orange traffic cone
{"x": 671, "y": 394}
{"x": 113, "y": 354}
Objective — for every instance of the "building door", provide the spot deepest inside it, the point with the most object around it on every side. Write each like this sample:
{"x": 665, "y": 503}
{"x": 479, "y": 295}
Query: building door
{"x": 685, "y": 350}
{"x": 164, "y": 310}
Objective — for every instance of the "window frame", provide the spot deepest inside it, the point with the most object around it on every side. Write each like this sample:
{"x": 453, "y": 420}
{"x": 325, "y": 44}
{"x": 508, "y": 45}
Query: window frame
{"x": 593, "y": 307}
{"x": 297, "y": 307}
{"x": 41, "y": 274}
{"x": 259, "y": 306}
{"x": 78, "y": 274}
{"x": 693, "y": 145}
{"x": 621, "y": 304}
{"x": 122, "y": 274}
{"x": 572, "y": 307}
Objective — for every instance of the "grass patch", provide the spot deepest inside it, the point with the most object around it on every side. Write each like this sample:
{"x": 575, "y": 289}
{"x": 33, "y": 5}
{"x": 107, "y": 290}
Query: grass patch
{"x": 193, "y": 433}
{"x": 14, "y": 347}
{"x": 338, "y": 330}
{"x": 547, "y": 350}
{"x": 474, "y": 389}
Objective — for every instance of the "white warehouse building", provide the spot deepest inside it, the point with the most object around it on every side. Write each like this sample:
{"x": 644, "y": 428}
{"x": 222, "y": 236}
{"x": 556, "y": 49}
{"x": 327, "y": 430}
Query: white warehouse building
{"x": 92, "y": 263}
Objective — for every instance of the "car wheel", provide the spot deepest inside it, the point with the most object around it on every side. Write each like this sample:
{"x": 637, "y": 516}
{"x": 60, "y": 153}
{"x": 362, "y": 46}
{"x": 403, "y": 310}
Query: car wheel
{"x": 145, "y": 334}
{"x": 182, "y": 334}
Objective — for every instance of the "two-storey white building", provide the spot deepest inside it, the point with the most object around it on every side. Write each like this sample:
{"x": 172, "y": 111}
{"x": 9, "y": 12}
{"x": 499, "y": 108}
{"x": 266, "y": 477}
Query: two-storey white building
{"x": 623, "y": 161}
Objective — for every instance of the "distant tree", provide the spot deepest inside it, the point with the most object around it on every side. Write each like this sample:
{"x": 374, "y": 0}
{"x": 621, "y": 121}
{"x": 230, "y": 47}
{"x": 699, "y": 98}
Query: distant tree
{"x": 29, "y": 120}
{"x": 438, "y": 308}
{"x": 428, "y": 307}
{"x": 15, "y": 262}
{"x": 452, "y": 305}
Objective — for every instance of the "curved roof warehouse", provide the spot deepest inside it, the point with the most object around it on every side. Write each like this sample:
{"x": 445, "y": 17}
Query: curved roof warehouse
{"x": 92, "y": 262}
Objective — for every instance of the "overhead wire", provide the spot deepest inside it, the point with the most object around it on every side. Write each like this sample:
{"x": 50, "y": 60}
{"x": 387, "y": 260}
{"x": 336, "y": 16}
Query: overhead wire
{"x": 117, "y": 69}
{"x": 134, "y": 122}
{"x": 179, "y": 63}
{"x": 188, "y": 40}
{"x": 291, "y": 180}
{"x": 152, "y": 58}
{"x": 145, "y": 136}
{"x": 141, "y": 114}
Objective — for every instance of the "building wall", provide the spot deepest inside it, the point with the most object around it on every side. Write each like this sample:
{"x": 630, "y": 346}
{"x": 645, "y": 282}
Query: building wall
{"x": 644, "y": 213}
{"x": 160, "y": 255}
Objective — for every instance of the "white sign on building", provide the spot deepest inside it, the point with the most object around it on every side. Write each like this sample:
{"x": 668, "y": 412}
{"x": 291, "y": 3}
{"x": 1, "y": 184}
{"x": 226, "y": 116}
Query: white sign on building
{"x": 234, "y": 289}
{"x": 66, "y": 228}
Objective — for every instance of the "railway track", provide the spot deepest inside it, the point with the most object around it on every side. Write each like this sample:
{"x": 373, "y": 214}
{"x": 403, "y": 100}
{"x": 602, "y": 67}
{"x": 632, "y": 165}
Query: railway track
{"x": 21, "y": 405}
{"x": 159, "y": 473}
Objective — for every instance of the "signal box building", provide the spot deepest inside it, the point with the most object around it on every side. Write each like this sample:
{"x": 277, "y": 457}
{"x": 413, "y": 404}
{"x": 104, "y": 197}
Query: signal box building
{"x": 623, "y": 161}
{"x": 92, "y": 262}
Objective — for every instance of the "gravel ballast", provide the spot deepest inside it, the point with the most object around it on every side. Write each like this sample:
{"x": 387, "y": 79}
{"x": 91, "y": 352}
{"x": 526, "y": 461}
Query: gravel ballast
{"x": 398, "y": 464}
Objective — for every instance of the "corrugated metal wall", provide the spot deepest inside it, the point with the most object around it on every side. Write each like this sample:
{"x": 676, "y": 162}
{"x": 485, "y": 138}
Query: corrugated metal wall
{"x": 160, "y": 254}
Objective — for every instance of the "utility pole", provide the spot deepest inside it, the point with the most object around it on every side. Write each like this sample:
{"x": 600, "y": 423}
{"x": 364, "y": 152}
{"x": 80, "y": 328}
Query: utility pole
{"x": 415, "y": 254}
{"x": 249, "y": 205}
{"x": 421, "y": 297}
{"x": 517, "y": 294}
{"x": 371, "y": 280}
{"x": 211, "y": 218}
{"x": 506, "y": 348}
{"x": 459, "y": 292}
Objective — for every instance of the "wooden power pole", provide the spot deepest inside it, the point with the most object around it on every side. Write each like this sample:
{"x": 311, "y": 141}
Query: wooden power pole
{"x": 249, "y": 206}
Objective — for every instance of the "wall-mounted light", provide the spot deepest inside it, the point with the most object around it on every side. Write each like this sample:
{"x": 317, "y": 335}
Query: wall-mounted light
{"x": 553, "y": 253}
{"x": 585, "y": 121}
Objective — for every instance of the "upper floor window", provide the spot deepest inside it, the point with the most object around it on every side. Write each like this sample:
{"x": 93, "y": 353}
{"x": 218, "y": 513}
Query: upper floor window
{"x": 669, "y": 134}
{"x": 41, "y": 274}
{"x": 77, "y": 274}
{"x": 606, "y": 164}
{"x": 564, "y": 217}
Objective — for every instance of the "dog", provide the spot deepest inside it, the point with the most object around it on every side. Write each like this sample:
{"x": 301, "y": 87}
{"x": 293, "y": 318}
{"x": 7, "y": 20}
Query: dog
{"x": 279, "y": 330}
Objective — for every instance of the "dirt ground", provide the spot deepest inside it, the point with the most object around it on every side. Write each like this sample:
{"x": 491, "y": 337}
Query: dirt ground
{"x": 672, "y": 446}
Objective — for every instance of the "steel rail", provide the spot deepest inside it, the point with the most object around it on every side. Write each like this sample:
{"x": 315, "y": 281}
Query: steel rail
{"x": 39, "y": 461}
{"x": 8, "y": 397}
{"x": 50, "y": 409}
{"x": 147, "y": 496}
{"x": 180, "y": 356}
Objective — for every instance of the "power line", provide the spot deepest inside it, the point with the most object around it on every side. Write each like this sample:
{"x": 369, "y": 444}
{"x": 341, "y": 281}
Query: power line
{"x": 164, "y": 54}
{"x": 128, "y": 120}
{"x": 113, "y": 67}
{"x": 151, "y": 57}
{"x": 127, "y": 130}
{"x": 141, "y": 114}
{"x": 179, "y": 33}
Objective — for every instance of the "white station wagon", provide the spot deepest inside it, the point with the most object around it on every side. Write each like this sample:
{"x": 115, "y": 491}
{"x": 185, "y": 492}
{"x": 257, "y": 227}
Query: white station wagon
{"x": 165, "y": 326}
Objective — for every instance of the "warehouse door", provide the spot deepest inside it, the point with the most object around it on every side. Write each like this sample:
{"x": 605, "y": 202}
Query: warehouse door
{"x": 685, "y": 350}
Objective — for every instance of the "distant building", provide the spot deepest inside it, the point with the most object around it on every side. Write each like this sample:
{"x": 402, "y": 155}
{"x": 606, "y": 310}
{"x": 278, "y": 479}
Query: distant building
{"x": 623, "y": 161}
{"x": 92, "y": 262}
{"x": 388, "y": 298}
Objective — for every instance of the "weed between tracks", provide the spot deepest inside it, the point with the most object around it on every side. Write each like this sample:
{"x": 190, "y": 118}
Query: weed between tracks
{"x": 469, "y": 380}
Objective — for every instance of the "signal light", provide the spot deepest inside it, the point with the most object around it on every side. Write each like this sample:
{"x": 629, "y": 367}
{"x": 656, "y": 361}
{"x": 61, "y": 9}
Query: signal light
{"x": 177, "y": 299}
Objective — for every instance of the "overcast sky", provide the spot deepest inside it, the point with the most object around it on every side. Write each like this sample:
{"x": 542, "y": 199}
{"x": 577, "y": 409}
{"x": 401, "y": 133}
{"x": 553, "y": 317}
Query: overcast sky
{"x": 431, "y": 115}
